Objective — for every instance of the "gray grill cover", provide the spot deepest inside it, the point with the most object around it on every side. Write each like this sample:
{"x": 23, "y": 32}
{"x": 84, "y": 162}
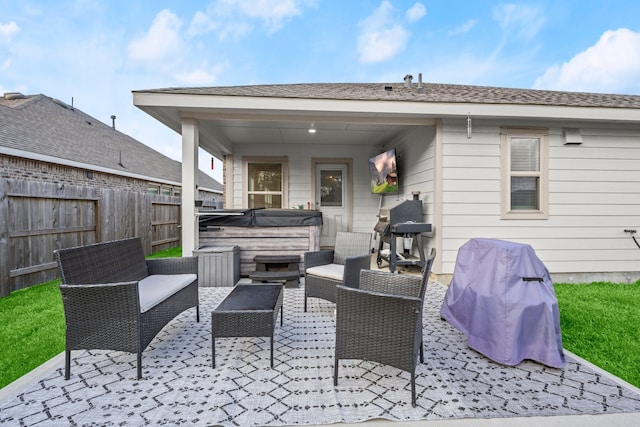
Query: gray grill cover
{"x": 505, "y": 316}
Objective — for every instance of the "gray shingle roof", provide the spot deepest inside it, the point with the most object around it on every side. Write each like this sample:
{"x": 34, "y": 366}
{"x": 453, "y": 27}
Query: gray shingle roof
{"x": 434, "y": 93}
{"x": 49, "y": 127}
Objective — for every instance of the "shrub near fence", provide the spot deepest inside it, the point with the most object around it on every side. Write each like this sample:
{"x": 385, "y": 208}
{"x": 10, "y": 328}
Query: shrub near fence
{"x": 38, "y": 217}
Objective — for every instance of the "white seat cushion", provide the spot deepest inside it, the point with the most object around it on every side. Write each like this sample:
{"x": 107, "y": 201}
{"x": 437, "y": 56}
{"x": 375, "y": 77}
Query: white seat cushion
{"x": 329, "y": 271}
{"x": 156, "y": 288}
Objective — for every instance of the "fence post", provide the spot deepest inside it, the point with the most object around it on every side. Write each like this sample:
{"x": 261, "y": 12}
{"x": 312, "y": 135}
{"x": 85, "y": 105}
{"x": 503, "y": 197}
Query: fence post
{"x": 5, "y": 284}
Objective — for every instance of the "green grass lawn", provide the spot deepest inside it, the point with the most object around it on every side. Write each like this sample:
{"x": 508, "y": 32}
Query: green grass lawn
{"x": 168, "y": 253}
{"x": 32, "y": 331}
{"x": 32, "y": 322}
{"x": 599, "y": 321}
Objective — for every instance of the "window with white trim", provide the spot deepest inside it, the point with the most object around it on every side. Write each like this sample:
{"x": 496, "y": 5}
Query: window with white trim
{"x": 524, "y": 177}
{"x": 265, "y": 182}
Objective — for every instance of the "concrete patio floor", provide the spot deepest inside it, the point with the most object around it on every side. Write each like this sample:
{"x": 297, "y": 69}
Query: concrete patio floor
{"x": 631, "y": 419}
{"x": 49, "y": 376}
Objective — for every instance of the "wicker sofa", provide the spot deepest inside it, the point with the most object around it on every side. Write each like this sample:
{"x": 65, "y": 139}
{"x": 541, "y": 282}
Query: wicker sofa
{"x": 115, "y": 299}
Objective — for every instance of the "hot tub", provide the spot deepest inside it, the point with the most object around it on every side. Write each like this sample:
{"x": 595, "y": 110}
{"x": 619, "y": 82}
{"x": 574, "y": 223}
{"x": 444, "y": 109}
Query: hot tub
{"x": 262, "y": 232}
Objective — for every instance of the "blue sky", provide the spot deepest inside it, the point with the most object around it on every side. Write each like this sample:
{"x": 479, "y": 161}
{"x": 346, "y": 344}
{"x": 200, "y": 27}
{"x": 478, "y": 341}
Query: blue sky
{"x": 98, "y": 51}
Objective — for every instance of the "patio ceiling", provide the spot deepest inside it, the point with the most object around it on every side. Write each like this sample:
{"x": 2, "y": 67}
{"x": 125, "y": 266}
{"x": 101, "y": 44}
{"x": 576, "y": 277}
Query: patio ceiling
{"x": 223, "y": 127}
{"x": 220, "y": 136}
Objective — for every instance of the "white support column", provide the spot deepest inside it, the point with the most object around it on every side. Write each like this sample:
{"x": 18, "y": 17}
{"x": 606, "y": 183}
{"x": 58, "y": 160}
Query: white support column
{"x": 190, "y": 144}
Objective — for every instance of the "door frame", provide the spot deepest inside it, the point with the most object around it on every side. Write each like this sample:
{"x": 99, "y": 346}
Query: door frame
{"x": 340, "y": 161}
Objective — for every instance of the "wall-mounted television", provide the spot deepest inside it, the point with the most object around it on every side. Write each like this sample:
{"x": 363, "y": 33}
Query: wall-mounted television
{"x": 384, "y": 172}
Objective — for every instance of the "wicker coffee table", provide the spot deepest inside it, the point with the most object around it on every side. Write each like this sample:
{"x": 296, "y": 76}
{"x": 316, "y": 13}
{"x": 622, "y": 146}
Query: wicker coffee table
{"x": 248, "y": 311}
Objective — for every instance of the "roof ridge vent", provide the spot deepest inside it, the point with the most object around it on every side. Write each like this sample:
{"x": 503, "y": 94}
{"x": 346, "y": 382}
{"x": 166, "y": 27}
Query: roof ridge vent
{"x": 14, "y": 95}
{"x": 61, "y": 103}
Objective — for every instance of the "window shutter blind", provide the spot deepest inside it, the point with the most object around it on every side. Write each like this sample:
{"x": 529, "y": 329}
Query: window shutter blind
{"x": 525, "y": 154}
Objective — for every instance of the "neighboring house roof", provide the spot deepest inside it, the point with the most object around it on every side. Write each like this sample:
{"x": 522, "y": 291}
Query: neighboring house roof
{"x": 431, "y": 92}
{"x": 47, "y": 129}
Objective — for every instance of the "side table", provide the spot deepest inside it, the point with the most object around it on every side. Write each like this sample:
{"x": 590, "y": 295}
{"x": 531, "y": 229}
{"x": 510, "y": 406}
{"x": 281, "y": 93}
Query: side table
{"x": 276, "y": 268}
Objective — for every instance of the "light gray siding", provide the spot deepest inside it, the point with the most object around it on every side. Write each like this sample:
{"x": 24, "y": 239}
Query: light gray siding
{"x": 594, "y": 194}
{"x": 300, "y": 157}
{"x": 594, "y": 191}
{"x": 414, "y": 146}
{"x": 416, "y": 151}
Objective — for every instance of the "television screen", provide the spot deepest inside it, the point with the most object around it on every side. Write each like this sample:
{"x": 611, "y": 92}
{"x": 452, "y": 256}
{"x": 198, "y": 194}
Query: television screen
{"x": 384, "y": 172}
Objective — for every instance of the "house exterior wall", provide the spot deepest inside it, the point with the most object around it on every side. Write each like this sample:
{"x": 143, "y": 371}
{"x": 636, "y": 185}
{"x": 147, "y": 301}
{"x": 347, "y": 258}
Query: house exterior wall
{"x": 593, "y": 192}
{"x": 414, "y": 146}
{"x": 35, "y": 170}
{"x": 415, "y": 149}
{"x": 365, "y": 204}
{"x": 593, "y": 196}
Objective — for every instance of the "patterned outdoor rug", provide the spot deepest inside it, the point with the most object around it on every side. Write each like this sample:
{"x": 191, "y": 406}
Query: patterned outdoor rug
{"x": 180, "y": 387}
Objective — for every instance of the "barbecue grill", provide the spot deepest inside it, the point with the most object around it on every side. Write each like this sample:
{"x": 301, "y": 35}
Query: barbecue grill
{"x": 401, "y": 220}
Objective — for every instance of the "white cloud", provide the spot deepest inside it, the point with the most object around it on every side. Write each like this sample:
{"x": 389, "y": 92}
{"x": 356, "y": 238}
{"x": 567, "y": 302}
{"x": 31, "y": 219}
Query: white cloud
{"x": 611, "y": 65}
{"x": 162, "y": 41}
{"x": 519, "y": 21}
{"x": 381, "y": 37}
{"x": 234, "y": 30}
{"x": 7, "y": 31}
{"x": 201, "y": 77}
{"x": 234, "y": 18}
{"x": 464, "y": 28}
{"x": 201, "y": 23}
{"x": 416, "y": 12}
{"x": 273, "y": 13}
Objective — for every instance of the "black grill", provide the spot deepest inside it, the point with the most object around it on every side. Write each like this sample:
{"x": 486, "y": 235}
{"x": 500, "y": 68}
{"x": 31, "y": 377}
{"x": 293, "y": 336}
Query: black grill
{"x": 401, "y": 220}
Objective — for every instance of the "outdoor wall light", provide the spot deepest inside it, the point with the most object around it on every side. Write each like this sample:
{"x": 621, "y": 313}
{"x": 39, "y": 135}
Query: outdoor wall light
{"x": 312, "y": 129}
{"x": 468, "y": 127}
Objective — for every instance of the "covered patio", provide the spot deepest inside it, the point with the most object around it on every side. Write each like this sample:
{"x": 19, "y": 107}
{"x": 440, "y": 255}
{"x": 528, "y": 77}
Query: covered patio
{"x": 455, "y": 385}
{"x": 232, "y": 123}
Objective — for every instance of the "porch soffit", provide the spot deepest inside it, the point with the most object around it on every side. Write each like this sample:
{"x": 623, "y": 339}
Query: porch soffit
{"x": 228, "y": 120}
{"x": 171, "y": 107}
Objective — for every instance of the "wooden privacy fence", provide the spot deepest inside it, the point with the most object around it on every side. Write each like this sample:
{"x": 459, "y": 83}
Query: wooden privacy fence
{"x": 38, "y": 217}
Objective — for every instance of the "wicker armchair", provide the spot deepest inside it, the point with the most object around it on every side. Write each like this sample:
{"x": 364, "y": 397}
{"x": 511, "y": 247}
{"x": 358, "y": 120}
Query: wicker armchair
{"x": 382, "y": 320}
{"x": 326, "y": 269}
